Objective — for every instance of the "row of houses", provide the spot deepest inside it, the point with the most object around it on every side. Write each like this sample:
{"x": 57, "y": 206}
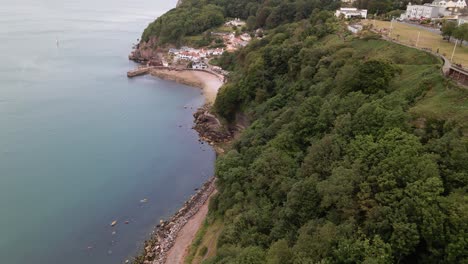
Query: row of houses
{"x": 231, "y": 40}
{"x": 194, "y": 55}
{"x": 234, "y": 42}
{"x": 437, "y": 9}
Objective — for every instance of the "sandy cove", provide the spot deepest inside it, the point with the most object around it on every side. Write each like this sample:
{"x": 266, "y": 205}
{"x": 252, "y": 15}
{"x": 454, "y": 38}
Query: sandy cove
{"x": 209, "y": 82}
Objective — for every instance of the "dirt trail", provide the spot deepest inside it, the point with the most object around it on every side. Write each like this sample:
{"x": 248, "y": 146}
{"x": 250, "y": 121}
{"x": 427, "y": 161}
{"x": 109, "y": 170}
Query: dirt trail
{"x": 184, "y": 239}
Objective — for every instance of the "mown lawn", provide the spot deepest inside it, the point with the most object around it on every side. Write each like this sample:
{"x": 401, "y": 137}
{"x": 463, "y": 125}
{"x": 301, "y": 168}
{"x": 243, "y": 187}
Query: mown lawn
{"x": 408, "y": 34}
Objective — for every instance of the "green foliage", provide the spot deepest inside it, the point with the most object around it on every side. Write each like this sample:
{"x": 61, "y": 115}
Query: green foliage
{"x": 373, "y": 76}
{"x": 227, "y": 102}
{"x": 226, "y": 61}
{"x": 279, "y": 253}
{"x": 461, "y": 33}
{"x": 448, "y": 29}
{"x": 387, "y": 8}
{"x": 174, "y": 25}
{"x": 203, "y": 251}
{"x": 331, "y": 170}
{"x": 194, "y": 17}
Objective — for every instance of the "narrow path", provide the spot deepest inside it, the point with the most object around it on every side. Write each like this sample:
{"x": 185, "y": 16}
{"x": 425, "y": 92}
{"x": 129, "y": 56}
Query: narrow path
{"x": 184, "y": 239}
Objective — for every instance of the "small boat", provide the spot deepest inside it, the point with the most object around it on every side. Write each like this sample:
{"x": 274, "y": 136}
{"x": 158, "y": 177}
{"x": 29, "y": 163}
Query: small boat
{"x": 114, "y": 223}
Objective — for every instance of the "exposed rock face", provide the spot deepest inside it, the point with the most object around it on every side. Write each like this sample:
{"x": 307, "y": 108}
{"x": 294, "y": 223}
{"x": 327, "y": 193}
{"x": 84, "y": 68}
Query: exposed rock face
{"x": 210, "y": 128}
{"x": 145, "y": 52}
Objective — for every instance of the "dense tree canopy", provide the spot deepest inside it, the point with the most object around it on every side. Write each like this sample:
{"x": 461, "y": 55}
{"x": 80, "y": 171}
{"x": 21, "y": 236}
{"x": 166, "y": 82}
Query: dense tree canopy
{"x": 332, "y": 168}
{"x": 193, "y": 17}
{"x": 179, "y": 22}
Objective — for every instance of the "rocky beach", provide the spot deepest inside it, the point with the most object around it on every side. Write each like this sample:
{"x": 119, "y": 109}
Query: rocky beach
{"x": 166, "y": 233}
{"x": 171, "y": 238}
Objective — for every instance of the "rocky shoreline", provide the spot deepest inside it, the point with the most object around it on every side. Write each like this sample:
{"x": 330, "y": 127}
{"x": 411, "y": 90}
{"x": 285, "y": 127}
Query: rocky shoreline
{"x": 210, "y": 129}
{"x": 157, "y": 248}
{"x": 164, "y": 236}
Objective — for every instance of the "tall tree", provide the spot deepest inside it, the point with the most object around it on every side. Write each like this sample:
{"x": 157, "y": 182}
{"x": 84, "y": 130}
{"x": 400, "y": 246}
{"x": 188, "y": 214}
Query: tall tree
{"x": 448, "y": 29}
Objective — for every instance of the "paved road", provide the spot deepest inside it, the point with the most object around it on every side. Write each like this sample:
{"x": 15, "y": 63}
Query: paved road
{"x": 433, "y": 30}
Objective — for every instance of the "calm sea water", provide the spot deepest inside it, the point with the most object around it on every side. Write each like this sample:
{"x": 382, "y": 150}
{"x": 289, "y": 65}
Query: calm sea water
{"x": 80, "y": 144}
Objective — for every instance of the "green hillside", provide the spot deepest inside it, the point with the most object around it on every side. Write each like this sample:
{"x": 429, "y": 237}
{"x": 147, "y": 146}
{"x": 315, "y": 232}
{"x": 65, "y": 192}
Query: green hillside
{"x": 355, "y": 154}
{"x": 356, "y": 151}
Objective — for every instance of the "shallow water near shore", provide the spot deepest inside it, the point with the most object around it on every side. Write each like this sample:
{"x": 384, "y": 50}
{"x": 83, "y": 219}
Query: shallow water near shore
{"x": 80, "y": 144}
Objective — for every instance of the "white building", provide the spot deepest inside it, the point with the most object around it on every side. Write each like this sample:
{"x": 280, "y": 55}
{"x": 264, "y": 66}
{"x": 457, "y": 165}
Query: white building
{"x": 235, "y": 23}
{"x": 461, "y": 4}
{"x": 355, "y": 28}
{"x": 422, "y": 11}
{"x": 199, "y": 66}
{"x": 215, "y": 52}
{"x": 351, "y": 12}
{"x": 450, "y": 4}
{"x": 190, "y": 56}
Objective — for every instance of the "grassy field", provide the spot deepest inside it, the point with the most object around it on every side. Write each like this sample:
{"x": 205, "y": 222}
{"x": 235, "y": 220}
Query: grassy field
{"x": 408, "y": 34}
{"x": 444, "y": 100}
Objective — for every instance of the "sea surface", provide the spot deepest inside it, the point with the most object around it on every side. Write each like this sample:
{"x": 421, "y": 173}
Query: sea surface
{"x": 80, "y": 144}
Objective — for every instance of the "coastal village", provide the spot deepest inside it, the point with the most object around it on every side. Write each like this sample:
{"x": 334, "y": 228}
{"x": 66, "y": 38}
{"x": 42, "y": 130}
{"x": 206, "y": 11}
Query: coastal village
{"x": 230, "y": 38}
{"x": 187, "y": 57}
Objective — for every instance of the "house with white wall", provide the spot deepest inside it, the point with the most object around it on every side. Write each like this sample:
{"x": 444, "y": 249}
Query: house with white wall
{"x": 351, "y": 12}
{"x": 422, "y": 11}
{"x": 450, "y": 4}
{"x": 199, "y": 66}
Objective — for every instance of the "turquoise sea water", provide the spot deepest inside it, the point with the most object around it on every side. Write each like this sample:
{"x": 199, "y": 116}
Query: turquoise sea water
{"x": 80, "y": 144}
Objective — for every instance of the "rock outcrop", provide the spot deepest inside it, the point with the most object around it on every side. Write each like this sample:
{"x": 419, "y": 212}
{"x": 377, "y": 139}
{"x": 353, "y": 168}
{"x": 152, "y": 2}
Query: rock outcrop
{"x": 210, "y": 128}
{"x": 145, "y": 52}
